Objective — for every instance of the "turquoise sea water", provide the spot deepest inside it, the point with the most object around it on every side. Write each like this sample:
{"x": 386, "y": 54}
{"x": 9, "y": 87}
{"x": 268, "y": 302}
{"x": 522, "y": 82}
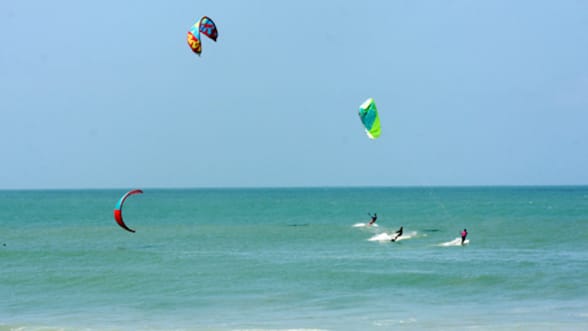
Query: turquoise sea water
{"x": 267, "y": 259}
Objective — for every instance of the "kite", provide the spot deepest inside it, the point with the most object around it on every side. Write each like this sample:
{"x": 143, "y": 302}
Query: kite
{"x": 204, "y": 26}
{"x": 368, "y": 113}
{"x": 118, "y": 209}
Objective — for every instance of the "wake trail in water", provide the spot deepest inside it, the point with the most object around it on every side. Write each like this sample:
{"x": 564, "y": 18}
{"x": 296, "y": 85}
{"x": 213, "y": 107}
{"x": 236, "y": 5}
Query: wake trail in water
{"x": 454, "y": 242}
{"x": 364, "y": 225}
{"x": 388, "y": 237}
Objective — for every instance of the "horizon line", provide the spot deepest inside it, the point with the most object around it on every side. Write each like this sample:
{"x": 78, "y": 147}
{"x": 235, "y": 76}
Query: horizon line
{"x": 299, "y": 187}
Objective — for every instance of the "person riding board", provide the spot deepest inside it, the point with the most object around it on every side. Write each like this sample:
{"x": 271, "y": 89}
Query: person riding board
{"x": 374, "y": 218}
{"x": 397, "y": 234}
{"x": 464, "y": 234}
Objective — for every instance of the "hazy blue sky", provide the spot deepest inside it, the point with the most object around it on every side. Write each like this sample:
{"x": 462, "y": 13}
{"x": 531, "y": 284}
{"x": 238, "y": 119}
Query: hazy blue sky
{"x": 107, "y": 94}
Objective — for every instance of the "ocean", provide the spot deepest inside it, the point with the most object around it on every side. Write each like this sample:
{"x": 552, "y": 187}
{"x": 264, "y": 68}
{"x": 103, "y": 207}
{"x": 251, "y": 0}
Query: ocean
{"x": 295, "y": 259}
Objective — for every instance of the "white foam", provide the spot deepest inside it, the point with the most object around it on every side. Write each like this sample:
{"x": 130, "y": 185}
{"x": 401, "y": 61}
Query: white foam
{"x": 381, "y": 237}
{"x": 387, "y": 237}
{"x": 454, "y": 242}
{"x": 364, "y": 225}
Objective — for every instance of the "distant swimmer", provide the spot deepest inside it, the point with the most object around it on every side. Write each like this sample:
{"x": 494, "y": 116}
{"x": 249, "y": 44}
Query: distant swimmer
{"x": 374, "y": 218}
{"x": 464, "y": 234}
{"x": 397, "y": 234}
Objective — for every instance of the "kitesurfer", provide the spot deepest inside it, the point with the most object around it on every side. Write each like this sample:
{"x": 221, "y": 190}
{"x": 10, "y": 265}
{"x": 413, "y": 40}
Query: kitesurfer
{"x": 374, "y": 218}
{"x": 464, "y": 234}
{"x": 397, "y": 234}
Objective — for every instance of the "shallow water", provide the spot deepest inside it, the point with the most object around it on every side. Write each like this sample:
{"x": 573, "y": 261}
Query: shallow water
{"x": 228, "y": 259}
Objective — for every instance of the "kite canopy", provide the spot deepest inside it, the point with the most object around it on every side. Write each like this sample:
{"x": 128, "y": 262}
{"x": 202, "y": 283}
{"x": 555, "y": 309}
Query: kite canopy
{"x": 204, "y": 26}
{"x": 368, "y": 113}
{"x": 118, "y": 209}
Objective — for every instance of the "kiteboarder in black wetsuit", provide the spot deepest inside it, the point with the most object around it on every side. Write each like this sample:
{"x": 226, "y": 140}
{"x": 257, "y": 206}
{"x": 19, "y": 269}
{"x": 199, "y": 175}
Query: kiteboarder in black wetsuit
{"x": 374, "y": 218}
{"x": 397, "y": 234}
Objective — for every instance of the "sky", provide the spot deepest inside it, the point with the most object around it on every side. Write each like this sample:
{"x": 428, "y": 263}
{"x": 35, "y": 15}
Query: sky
{"x": 107, "y": 94}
